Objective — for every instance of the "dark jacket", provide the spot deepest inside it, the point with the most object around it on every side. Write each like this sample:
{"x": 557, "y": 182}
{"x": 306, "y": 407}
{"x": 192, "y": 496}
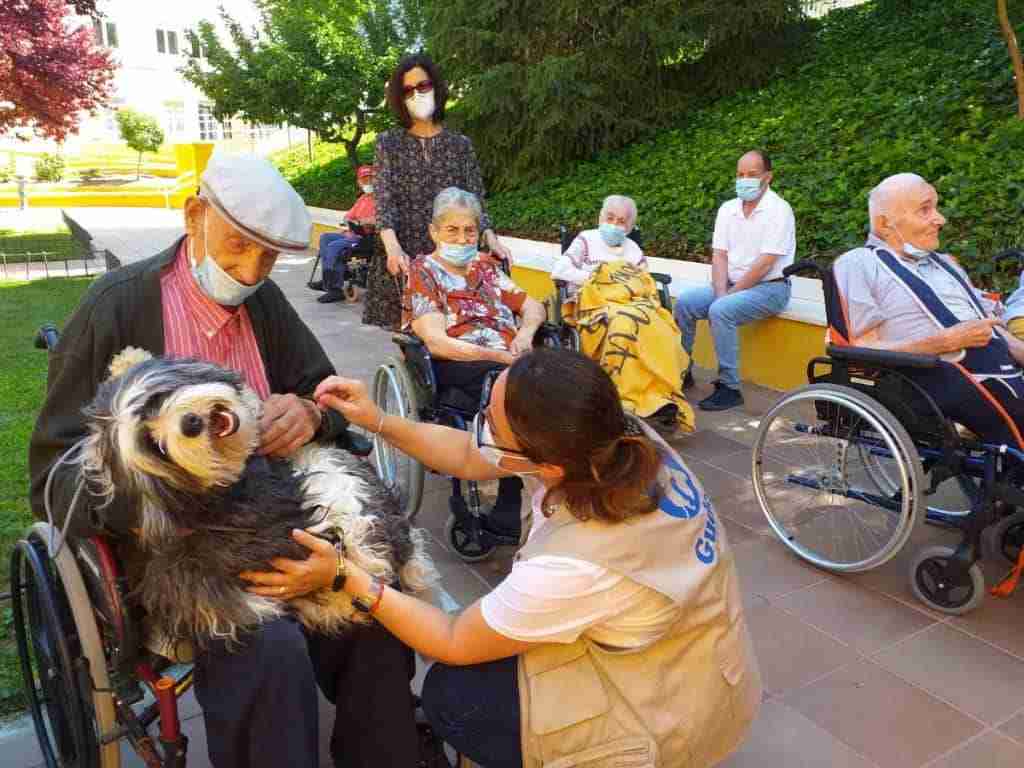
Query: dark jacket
{"x": 124, "y": 308}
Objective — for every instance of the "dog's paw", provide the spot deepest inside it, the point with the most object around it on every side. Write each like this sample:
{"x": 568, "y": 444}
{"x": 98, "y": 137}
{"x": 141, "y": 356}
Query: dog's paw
{"x": 126, "y": 359}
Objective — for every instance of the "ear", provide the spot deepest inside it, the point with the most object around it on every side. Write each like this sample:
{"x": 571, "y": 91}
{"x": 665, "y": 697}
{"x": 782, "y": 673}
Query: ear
{"x": 434, "y": 233}
{"x": 126, "y": 359}
{"x": 195, "y": 209}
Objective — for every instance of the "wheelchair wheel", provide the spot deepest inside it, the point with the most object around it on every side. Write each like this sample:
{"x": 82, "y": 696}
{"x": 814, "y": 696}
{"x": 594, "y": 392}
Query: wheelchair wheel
{"x": 396, "y": 394}
{"x": 64, "y": 669}
{"x": 829, "y": 509}
{"x": 933, "y": 585}
{"x": 1005, "y": 539}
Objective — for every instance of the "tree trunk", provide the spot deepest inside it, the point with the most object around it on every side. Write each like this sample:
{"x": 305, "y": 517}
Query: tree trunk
{"x": 138, "y": 168}
{"x": 352, "y": 145}
{"x": 1011, "y": 44}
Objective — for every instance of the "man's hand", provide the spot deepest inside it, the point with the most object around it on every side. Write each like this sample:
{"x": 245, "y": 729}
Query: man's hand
{"x": 971, "y": 333}
{"x": 294, "y": 578}
{"x": 288, "y": 423}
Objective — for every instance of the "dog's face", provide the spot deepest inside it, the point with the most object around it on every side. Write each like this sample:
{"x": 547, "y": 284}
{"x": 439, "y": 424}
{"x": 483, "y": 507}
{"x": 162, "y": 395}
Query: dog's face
{"x": 163, "y": 424}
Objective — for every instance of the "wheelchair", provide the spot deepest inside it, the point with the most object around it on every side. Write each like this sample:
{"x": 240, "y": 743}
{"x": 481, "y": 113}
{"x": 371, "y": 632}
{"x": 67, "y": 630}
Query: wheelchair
{"x": 858, "y": 443}
{"x": 406, "y": 386}
{"x": 569, "y": 336}
{"x": 357, "y": 267}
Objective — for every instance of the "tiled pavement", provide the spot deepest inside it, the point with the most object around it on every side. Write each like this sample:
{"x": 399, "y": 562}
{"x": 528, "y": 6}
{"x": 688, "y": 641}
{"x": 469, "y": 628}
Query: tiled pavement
{"x": 856, "y": 672}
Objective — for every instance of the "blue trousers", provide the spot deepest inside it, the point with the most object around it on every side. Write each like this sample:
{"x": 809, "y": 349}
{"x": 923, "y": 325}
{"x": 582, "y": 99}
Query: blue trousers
{"x": 335, "y": 248}
{"x": 726, "y": 314}
{"x": 476, "y": 710}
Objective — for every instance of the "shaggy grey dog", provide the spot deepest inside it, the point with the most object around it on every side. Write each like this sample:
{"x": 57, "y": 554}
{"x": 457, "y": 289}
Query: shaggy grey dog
{"x": 179, "y": 438}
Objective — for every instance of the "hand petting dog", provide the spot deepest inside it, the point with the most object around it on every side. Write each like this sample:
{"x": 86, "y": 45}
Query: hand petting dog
{"x": 288, "y": 423}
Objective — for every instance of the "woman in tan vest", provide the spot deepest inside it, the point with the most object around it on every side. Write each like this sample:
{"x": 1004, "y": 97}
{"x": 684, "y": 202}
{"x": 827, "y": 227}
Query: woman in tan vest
{"x": 618, "y": 638}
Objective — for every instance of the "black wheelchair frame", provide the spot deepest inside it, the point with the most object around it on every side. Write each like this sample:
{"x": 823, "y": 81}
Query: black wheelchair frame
{"x": 358, "y": 266}
{"x": 990, "y": 476}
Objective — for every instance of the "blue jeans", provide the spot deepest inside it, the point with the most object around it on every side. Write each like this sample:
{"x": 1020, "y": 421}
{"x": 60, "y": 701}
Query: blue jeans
{"x": 725, "y": 315}
{"x": 476, "y": 710}
{"x": 335, "y": 248}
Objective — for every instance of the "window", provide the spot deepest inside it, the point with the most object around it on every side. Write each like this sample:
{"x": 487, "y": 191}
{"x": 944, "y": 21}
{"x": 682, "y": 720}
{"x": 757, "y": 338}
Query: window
{"x": 174, "y": 117}
{"x": 105, "y": 34}
{"x": 167, "y": 41}
{"x": 210, "y": 129}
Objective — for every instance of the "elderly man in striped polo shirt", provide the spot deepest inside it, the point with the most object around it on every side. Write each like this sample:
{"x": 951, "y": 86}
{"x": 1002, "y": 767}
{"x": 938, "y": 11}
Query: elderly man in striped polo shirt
{"x": 208, "y": 296}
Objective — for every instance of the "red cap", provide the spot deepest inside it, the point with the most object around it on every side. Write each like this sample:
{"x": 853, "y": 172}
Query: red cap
{"x": 366, "y": 170}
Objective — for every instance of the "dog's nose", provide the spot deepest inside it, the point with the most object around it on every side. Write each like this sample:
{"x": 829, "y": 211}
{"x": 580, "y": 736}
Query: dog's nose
{"x": 191, "y": 425}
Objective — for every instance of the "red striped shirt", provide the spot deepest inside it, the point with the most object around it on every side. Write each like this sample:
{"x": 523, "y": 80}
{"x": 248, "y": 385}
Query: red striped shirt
{"x": 197, "y": 326}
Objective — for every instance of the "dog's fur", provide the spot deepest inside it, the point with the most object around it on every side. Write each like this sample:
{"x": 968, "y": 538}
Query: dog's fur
{"x": 178, "y": 437}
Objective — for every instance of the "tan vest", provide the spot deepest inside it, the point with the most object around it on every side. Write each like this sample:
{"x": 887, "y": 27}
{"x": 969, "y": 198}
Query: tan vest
{"x": 687, "y": 699}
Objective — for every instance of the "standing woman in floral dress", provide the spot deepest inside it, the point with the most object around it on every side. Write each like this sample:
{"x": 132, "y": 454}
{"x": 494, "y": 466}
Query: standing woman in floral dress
{"x": 414, "y": 163}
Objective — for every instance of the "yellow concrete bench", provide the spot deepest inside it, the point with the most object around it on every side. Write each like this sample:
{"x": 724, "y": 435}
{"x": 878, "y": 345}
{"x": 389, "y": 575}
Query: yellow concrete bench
{"x": 773, "y": 352}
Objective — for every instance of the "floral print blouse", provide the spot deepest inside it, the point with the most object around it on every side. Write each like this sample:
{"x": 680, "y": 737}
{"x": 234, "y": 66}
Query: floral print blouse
{"x": 480, "y": 308}
{"x": 410, "y": 173}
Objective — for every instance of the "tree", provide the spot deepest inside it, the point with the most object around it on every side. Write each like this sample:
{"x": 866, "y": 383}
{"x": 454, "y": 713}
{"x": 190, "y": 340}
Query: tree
{"x": 141, "y": 132}
{"x": 1010, "y": 36}
{"x": 49, "y": 72}
{"x": 542, "y": 83}
{"x": 316, "y": 64}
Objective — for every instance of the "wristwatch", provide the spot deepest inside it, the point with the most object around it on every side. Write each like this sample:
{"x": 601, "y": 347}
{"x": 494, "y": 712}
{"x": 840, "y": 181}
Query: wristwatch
{"x": 369, "y": 602}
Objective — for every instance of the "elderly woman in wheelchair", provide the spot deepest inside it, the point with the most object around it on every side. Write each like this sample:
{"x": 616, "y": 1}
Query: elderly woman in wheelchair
{"x": 620, "y": 315}
{"x": 915, "y": 356}
{"x": 460, "y": 317}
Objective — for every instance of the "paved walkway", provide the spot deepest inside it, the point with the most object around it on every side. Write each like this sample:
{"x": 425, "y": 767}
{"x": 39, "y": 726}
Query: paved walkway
{"x": 857, "y": 674}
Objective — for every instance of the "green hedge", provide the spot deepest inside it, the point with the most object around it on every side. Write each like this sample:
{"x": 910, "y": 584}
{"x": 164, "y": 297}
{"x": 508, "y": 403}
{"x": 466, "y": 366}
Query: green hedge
{"x": 912, "y": 86}
{"x": 327, "y": 182}
{"x": 889, "y": 86}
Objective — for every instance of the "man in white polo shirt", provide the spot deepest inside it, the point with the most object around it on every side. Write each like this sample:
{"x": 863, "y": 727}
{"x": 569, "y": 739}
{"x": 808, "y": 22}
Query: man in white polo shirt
{"x": 754, "y": 240}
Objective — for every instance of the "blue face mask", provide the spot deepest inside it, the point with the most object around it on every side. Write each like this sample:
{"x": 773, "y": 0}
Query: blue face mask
{"x": 218, "y": 284}
{"x": 457, "y": 255}
{"x": 612, "y": 234}
{"x": 748, "y": 190}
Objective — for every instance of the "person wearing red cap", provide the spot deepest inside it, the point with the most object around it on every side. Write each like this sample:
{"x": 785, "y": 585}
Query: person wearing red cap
{"x": 335, "y": 247}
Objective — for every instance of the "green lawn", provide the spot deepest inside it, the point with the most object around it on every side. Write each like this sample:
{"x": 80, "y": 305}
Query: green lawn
{"x": 56, "y": 246}
{"x": 23, "y": 308}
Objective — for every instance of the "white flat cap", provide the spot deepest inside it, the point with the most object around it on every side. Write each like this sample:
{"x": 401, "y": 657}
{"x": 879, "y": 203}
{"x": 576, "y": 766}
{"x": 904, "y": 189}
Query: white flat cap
{"x": 257, "y": 201}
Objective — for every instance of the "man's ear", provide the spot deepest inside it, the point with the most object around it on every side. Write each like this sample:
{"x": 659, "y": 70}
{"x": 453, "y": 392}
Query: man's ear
{"x": 195, "y": 209}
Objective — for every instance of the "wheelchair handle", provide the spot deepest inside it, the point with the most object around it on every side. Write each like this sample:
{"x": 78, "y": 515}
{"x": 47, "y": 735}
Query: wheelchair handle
{"x": 47, "y": 336}
{"x": 1016, "y": 254}
{"x": 804, "y": 266}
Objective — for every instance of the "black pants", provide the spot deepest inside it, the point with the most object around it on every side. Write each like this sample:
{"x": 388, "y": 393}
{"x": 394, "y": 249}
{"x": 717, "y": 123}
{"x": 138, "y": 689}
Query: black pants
{"x": 260, "y": 704}
{"x": 476, "y": 710}
{"x": 461, "y": 384}
{"x": 991, "y": 411}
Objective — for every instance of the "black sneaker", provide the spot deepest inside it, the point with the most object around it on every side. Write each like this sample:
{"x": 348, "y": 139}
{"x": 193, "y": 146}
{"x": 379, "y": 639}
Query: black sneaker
{"x": 331, "y": 296}
{"x": 688, "y": 380}
{"x": 723, "y": 399}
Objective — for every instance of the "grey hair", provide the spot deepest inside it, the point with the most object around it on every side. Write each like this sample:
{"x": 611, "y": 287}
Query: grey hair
{"x": 620, "y": 201}
{"x": 453, "y": 198}
{"x": 881, "y": 198}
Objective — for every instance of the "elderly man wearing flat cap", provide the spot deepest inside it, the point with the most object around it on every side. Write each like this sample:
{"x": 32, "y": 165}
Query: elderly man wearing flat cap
{"x": 208, "y": 296}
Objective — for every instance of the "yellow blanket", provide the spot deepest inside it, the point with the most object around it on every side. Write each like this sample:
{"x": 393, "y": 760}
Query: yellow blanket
{"x": 623, "y": 326}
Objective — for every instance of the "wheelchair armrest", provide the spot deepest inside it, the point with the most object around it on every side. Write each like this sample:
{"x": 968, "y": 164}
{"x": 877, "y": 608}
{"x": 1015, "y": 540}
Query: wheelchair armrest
{"x": 882, "y": 358}
{"x": 415, "y": 352}
{"x": 661, "y": 277}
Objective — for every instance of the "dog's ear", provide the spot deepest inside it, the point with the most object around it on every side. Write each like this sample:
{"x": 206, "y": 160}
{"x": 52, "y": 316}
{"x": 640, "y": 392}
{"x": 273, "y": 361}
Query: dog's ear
{"x": 126, "y": 359}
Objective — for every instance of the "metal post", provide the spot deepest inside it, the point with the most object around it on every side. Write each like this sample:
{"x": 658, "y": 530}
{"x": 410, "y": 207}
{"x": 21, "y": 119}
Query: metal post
{"x": 22, "y": 195}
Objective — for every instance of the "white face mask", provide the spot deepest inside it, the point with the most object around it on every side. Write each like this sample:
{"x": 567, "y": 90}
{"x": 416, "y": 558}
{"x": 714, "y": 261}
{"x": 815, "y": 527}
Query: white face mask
{"x": 912, "y": 250}
{"x": 491, "y": 454}
{"x": 421, "y": 105}
{"x": 214, "y": 281}
{"x": 368, "y": 189}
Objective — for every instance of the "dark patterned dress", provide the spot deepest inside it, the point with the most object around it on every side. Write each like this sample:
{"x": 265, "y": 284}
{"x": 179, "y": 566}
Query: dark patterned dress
{"x": 410, "y": 173}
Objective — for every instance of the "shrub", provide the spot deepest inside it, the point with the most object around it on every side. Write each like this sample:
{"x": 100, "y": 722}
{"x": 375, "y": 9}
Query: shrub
{"x": 915, "y": 97}
{"x": 327, "y": 182}
{"x": 49, "y": 167}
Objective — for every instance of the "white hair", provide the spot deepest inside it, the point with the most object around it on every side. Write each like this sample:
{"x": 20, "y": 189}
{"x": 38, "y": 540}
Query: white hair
{"x": 621, "y": 202}
{"x": 453, "y": 198}
{"x": 881, "y": 199}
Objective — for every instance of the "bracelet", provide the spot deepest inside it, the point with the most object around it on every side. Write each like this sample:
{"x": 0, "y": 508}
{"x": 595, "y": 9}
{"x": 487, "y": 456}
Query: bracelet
{"x": 341, "y": 571}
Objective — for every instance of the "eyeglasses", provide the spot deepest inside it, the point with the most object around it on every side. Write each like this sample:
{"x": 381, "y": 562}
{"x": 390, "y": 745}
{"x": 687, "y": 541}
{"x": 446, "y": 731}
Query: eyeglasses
{"x": 423, "y": 86}
{"x": 479, "y": 421}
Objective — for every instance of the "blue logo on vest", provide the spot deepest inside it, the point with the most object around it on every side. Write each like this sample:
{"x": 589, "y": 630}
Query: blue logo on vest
{"x": 688, "y": 504}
